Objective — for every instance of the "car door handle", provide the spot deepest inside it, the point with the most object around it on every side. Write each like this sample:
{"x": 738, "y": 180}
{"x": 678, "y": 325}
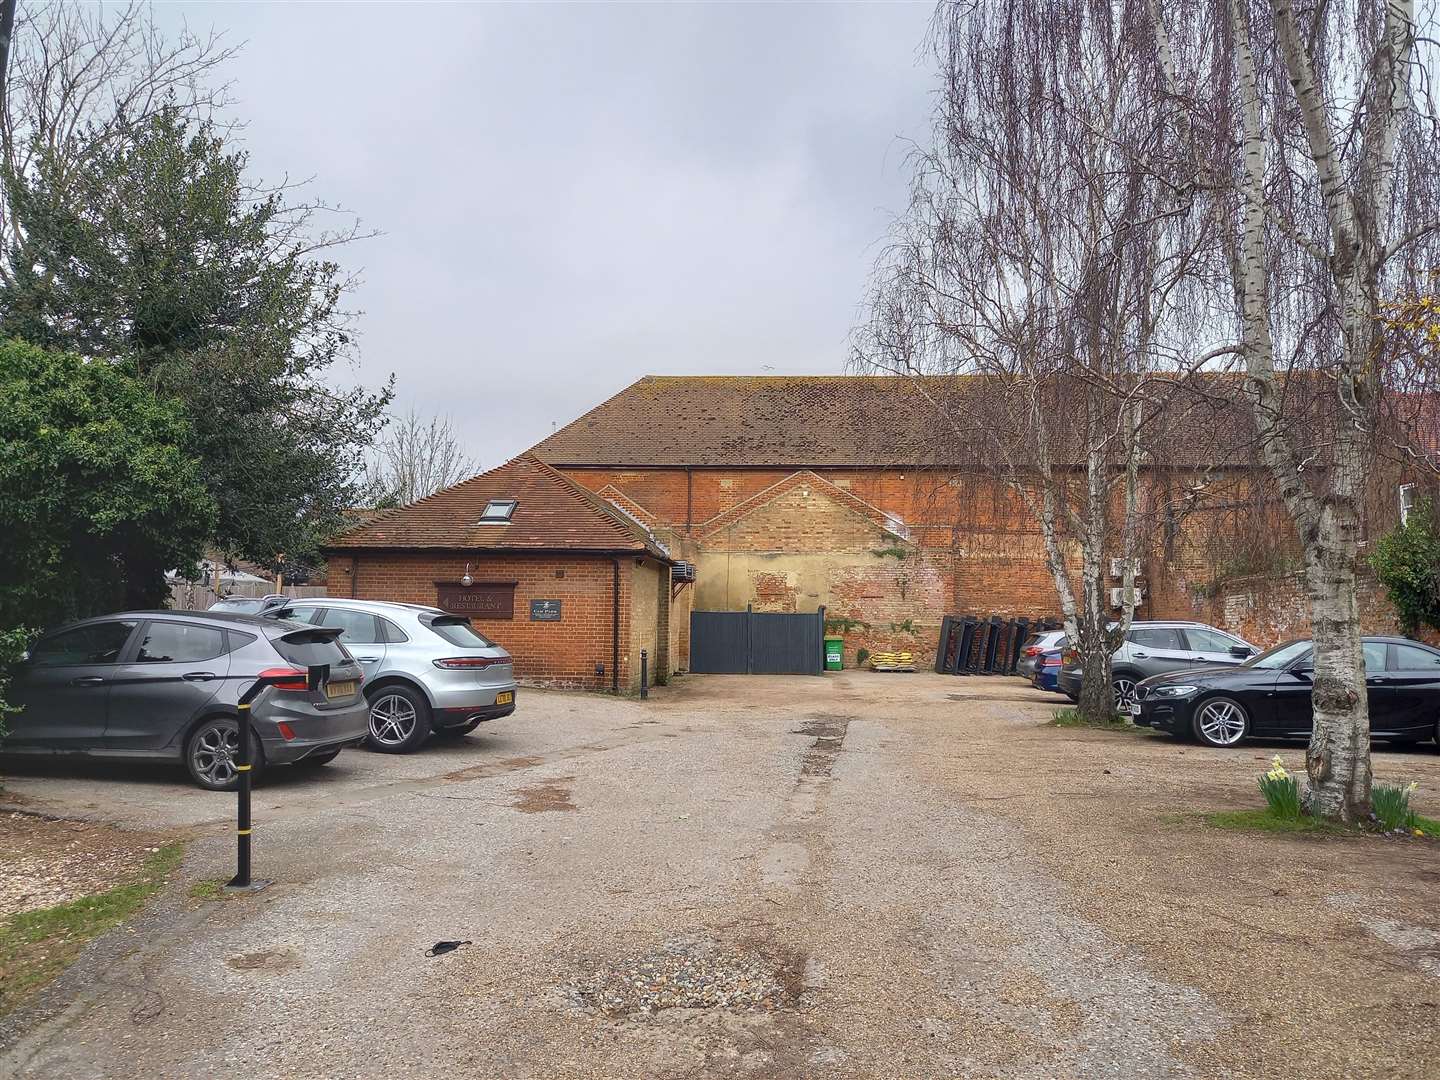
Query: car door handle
{"x": 1141, "y": 655}
{"x": 87, "y": 680}
{"x": 368, "y": 659}
{"x": 198, "y": 676}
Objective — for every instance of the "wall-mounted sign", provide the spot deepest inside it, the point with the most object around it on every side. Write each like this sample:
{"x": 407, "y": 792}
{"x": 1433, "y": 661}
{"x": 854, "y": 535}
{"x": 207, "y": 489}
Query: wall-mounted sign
{"x": 544, "y": 610}
{"x": 483, "y": 600}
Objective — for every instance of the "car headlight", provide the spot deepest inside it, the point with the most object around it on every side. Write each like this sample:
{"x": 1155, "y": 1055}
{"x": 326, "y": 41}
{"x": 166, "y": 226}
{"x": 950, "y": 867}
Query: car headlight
{"x": 1173, "y": 691}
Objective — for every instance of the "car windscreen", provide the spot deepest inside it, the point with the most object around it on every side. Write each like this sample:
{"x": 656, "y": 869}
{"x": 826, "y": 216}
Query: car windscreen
{"x": 458, "y": 631}
{"x": 1282, "y": 656}
{"x": 316, "y": 645}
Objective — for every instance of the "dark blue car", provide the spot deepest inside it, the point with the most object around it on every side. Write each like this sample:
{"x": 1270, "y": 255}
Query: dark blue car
{"x": 1047, "y": 671}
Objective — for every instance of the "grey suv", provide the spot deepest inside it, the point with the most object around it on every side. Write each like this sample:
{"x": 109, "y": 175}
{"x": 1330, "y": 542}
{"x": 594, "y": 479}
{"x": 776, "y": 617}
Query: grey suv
{"x": 164, "y": 685}
{"x": 425, "y": 669}
{"x": 1155, "y": 648}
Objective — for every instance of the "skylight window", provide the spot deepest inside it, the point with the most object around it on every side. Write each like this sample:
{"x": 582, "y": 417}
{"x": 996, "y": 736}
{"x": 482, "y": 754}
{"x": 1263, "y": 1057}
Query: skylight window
{"x": 498, "y": 511}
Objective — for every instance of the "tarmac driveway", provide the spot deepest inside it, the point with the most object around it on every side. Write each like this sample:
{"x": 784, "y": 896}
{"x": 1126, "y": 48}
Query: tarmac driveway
{"x": 855, "y": 875}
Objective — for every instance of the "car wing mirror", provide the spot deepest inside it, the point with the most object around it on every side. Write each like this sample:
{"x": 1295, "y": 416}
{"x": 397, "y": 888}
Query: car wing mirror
{"x": 1240, "y": 652}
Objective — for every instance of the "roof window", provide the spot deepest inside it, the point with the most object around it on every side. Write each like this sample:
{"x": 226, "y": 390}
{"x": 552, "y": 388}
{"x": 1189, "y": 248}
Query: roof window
{"x": 499, "y": 511}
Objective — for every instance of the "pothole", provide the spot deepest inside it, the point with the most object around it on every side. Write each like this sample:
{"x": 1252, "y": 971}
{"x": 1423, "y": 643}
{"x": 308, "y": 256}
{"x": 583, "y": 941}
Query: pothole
{"x": 691, "y": 973}
{"x": 265, "y": 960}
{"x": 829, "y": 735}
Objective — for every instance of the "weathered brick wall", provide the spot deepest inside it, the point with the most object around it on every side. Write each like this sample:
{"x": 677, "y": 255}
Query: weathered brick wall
{"x": 973, "y": 548}
{"x": 1266, "y": 609}
{"x": 804, "y": 549}
{"x": 644, "y": 622}
{"x": 559, "y": 654}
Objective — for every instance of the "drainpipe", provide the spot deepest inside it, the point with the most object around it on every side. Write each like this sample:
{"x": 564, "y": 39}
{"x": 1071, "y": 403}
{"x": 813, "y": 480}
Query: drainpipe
{"x": 354, "y": 575}
{"x": 615, "y": 628}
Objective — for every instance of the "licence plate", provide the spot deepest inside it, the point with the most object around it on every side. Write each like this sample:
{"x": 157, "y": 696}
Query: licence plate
{"x": 506, "y": 698}
{"x": 340, "y": 689}
{"x": 1135, "y": 709}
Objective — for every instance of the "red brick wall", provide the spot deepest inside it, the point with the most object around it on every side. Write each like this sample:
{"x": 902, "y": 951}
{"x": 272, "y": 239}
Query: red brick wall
{"x": 560, "y": 654}
{"x": 976, "y": 550}
{"x": 1268, "y": 609}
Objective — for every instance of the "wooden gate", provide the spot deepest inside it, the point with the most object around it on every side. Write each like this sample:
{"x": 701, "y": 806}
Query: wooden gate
{"x": 757, "y": 643}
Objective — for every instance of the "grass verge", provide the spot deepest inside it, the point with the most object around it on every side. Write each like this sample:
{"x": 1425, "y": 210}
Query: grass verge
{"x": 210, "y": 889}
{"x": 35, "y": 946}
{"x": 1071, "y": 718}
{"x": 1265, "y": 821}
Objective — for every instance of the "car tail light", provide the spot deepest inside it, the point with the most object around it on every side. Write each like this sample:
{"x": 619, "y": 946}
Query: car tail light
{"x": 470, "y": 661}
{"x": 1050, "y": 661}
{"x": 1071, "y": 656}
{"x": 287, "y": 678}
{"x": 286, "y": 731}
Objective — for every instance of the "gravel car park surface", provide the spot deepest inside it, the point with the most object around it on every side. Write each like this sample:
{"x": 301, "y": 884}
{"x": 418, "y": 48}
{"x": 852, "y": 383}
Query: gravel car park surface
{"x": 856, "y": 875}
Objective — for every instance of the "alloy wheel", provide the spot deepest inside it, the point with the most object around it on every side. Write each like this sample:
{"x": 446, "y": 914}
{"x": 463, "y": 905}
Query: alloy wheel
{"x": 213, "y": 754}
{"x": 1124, "y": 695}
{"x": 1222, "y": 723}
{"x": 392, "y": 719}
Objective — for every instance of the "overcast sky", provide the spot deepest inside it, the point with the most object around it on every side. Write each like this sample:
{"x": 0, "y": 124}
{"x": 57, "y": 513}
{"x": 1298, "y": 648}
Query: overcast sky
{"x": 573, "y": 196}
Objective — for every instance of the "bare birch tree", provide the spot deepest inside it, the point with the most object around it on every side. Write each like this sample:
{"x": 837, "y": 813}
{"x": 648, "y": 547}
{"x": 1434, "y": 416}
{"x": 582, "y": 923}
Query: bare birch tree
{"x": 82, "y": 75}
{"x": 416, "y": 457}
{"x": 1310, "y": 132}
{"x": 1038, "y": 258}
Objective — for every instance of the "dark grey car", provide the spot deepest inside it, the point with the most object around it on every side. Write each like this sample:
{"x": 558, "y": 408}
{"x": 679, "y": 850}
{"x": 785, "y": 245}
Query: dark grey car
{"x": 163, "y": 685}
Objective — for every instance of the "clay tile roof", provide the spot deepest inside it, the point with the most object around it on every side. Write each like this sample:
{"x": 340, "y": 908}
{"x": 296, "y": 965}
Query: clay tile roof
{"x": 744, "y": 420}
{"x": 553, "y": 514}
{"x": 817, "y": 421}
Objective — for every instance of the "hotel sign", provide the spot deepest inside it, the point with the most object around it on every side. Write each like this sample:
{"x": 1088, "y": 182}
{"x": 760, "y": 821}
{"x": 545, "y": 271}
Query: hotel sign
{"x": 483, "y": 600}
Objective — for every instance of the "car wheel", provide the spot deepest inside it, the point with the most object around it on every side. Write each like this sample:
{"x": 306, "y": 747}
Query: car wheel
{"x": 1222, "y": 722}
{"x": 322, "y": 758}
{"x": 1124, "y": 689}
{"x": 399, "y": 720}
{"x": 210, "y": 754}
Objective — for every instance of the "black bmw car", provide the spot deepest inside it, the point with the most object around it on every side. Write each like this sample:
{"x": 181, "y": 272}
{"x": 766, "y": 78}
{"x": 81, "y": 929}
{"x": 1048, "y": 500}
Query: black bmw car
{"x": 1268, "y": 696}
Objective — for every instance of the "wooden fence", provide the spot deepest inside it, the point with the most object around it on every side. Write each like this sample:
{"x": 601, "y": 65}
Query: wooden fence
{"x": 195, "y": 596}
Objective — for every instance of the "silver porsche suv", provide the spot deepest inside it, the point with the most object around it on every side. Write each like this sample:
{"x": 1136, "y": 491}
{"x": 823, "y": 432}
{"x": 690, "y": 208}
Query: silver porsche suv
{"x": 425, "y": 669}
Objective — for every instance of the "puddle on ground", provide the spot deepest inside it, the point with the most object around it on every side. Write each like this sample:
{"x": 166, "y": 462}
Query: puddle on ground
{"x": 552, "y": 795}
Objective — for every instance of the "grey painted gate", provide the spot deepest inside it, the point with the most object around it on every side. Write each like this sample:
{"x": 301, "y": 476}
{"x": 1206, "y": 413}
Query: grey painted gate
{"x": 756, "y": 643}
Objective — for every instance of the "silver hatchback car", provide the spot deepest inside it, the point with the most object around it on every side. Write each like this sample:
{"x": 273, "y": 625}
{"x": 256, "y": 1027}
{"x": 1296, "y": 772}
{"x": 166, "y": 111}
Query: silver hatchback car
{"x": 425, "y": 669}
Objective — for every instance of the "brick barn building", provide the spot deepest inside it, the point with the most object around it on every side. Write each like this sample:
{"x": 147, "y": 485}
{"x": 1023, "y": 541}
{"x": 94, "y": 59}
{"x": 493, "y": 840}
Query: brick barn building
{"x": 573, "y": 587}
{"x": 793, "y": 493}
{"x": 785, "y": 494}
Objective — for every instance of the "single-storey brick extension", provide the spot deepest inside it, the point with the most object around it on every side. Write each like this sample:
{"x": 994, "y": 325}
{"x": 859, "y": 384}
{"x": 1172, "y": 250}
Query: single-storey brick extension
{"x": 572, "y": 586}
{"x": 783, "y": 493}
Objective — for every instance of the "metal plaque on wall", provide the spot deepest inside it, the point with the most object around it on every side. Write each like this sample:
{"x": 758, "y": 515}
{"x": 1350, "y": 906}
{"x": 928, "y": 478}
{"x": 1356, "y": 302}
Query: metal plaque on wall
{"x": 483, "y": 600}
{"x": 544, "y": 610}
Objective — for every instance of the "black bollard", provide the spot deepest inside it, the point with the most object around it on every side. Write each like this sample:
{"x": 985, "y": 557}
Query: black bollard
{"x": 244, "y": 769}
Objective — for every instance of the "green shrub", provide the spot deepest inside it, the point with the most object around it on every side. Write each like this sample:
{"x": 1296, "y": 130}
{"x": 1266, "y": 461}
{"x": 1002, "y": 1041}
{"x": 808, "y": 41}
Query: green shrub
{"x": 1391, "y": 805}
{"x": 861, "y": 656}
{"x": 1282, "y": 793}
{"x": 1407, "y": 562}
